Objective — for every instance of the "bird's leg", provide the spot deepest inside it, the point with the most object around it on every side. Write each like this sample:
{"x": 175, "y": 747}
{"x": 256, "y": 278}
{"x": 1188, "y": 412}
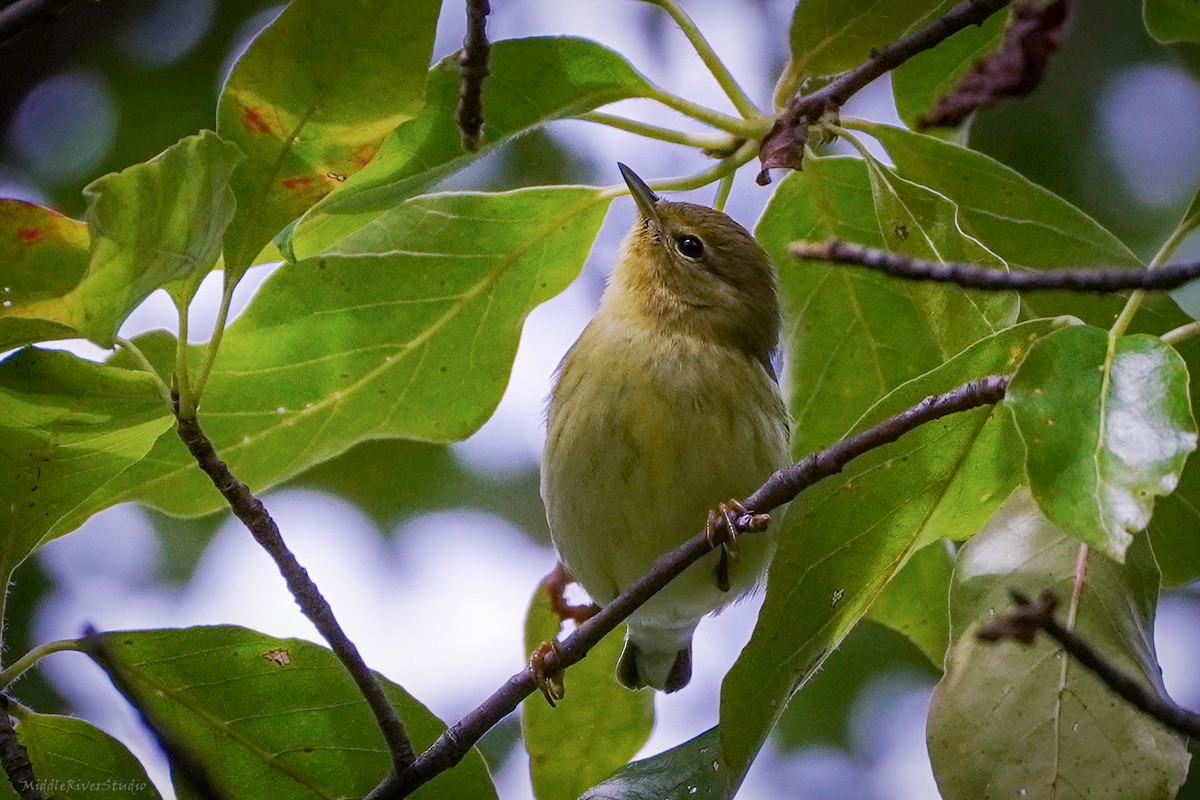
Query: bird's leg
{"x": 550, "y": 682}
{"x": 724, "y": 512}
{"x": 728, "y": 513}
{"x": 556, "y": 584}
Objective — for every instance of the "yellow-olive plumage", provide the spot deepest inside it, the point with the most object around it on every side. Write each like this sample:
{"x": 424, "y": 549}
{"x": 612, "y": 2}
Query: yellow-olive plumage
{"x": 666, "y": 405}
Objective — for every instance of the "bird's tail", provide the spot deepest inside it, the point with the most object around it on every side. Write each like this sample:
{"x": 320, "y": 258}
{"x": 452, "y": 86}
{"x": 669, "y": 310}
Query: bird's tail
{"x": 657, "y": 657}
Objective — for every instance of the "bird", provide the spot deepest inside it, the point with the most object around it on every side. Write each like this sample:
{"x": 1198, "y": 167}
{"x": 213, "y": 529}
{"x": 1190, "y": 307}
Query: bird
{"x": 666, "y": 403}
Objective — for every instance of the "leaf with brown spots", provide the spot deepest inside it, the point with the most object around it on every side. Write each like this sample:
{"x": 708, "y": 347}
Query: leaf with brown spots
{"x": 308, "y": 110}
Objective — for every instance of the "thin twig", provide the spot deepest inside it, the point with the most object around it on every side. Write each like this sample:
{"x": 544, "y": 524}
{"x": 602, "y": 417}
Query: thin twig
{"x": 184, "y": 763}
{"x": 15, "y": 758}
{"x": 250, "y": 510}
{"x": 974, "y": 276}
{"x": 473, "y": 62}
{"x": 784, "y": 145}
{"x": 1022, "y": 624}
{"x": 22, "y": 15}
{"x": 780, "y": 488}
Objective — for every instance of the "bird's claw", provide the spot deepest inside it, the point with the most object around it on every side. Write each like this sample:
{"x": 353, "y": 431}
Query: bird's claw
{"x": 549, "y": 681}
{"x": 732, "y": 516}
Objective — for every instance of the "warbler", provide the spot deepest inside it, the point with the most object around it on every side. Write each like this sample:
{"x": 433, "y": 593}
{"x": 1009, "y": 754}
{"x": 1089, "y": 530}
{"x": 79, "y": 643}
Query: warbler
{"x": 667, "y": 403}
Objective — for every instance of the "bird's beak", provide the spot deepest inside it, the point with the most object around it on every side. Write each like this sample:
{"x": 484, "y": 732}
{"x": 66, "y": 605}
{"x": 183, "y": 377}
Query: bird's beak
{"x": 643, "y": 195}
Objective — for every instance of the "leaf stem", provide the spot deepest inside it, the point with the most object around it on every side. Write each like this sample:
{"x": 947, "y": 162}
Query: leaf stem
{"x": 18, "y": 667}
{"x": 733, "y": 90}
{"x": 715, "y": 142}
{"x": 164, "y": 391}
{"x": 1135, "y": 299}
{"x": 183, "y": 385}
{"x": 723, "y": 188}
{"x": 1181, "y": 334}
{"x": 214, "y": 343}
{"x": 754, "y": 128}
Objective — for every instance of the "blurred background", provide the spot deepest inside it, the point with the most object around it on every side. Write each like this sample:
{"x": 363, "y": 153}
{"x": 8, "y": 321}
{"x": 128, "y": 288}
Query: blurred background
{"x": 391, "y": 528}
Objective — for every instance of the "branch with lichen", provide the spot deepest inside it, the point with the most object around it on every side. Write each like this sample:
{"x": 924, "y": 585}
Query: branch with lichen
{"x": 780, "y": 488}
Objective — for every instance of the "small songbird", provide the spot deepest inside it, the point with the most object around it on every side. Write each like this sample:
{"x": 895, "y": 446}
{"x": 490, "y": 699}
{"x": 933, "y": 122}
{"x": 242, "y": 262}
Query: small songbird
{"x": 666, "y": 404}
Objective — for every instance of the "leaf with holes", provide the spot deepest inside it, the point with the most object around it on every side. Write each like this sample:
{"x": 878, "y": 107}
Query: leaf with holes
{"x": 269, "y": 717}
{"x": 1009, "y": 720}
{"x": 1103, "y": 438}
{"x": 310, "y": 101}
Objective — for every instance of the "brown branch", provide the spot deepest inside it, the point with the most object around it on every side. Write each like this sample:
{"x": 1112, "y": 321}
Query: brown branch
{"x": 1022, "y": 624}
{"x": 250, "y": 510}
{"x": 784, "y": 145}
{"x": 473, "y": 62}
{"x": 780, "y": 488}
{"x": 973, "y": 276}
{"x": 22, "y": 15}
{"x": 15, "y": 758}
{"x": 184, "y": 764}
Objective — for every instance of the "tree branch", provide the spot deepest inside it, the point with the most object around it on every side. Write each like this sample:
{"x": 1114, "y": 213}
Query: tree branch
{"x": 784, "y": 145}
{"x": 15, "y": 758}
{"x": 250, "y": 510}
{"x": 780, "y": 488}
{"x": 474, "y": 65}
{"x": 973, "y": 276}
{"x": 1022, "y": 624}
{"x": 22, "y": 15}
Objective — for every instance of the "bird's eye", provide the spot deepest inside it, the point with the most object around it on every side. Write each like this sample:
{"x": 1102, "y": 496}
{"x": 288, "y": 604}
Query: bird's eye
{"x": 690, "y": 246}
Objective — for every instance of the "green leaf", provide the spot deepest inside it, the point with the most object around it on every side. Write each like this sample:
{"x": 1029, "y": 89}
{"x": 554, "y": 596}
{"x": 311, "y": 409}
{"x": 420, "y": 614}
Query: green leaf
{"x": 427, "y": 149}
{"x": 1010, "y": 720}
{"x": 310, "y": 101}
{"x": 1102, "y": 440}
{"x": 1020, "y": 222}
{"x": 920, "y": 82}
{"x": 72, "y": 758}
{"x": 150, "y": 224}
{"x": 68, "y": 429}
{"x": 856, "y": 335}
{"x": 1172, "y": 20}
{"x": 45, "y": 255}
{"x": 843, "y": 540}
{"x": 691, "y": 770}
{"x": 916, "y": 602}
{"x": 408, "y": 330}
{"x": 595, "y": 729}
{"x": 828, "y": 37}
{"x": 270, "y": 717}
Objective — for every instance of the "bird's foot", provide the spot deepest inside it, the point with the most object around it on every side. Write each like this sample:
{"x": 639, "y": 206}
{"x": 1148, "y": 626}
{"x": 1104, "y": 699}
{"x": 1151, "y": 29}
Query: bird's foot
{"x": 556, "y": 584}
{"x": 549, "y": 681}
{"x": 725, "y": 521}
